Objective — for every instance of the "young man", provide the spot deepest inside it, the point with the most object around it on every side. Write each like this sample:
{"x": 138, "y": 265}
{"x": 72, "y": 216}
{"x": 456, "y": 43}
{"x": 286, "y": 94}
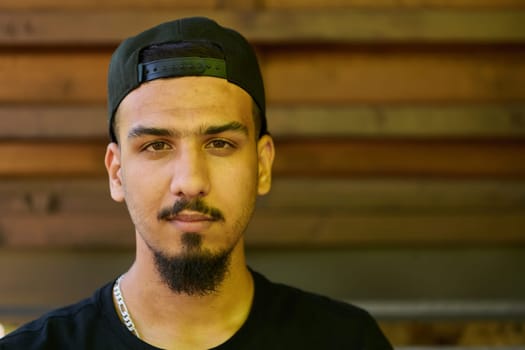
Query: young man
{"x": 189, "y": 154}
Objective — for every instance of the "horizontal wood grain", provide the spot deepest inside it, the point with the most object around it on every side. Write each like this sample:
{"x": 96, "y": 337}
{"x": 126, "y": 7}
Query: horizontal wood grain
{"x": 398, "y": 121}
{"x": 267, "y": 4}
{"x": 393, "y": 75}
{"x": 332, "y": 158}
{"x": 400, "y": 158}
{"x": 334, "y": 76}
{"x": 447, "y": 309}
{"x": 54, "y": 77}
{"x": 335, "y": 25}
{"x": 310, "y": 230}
{"x": 273, "y": 229}
{"x": 55, "y": 121}
{"x": 105, "y": 4}
{"x": 323, "y": 195}
{"x": 322, "y": 4}
{"x": 379, "y": 121}
{"x": 465, "y": 334}
{"x": 297, "y": 213}
{"x": 51, "y": 158}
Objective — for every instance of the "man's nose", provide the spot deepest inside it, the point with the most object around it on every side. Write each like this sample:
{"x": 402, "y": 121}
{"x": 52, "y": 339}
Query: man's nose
{"x": 190, "y": 173}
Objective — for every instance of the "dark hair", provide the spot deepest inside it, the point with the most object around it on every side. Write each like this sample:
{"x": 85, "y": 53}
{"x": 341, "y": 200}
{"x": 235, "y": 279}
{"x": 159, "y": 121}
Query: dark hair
{"x": 193, "y": 49}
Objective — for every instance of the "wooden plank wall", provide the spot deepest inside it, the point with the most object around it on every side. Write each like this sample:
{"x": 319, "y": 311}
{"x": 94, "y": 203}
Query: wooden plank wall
{"x": 398, "y": 124}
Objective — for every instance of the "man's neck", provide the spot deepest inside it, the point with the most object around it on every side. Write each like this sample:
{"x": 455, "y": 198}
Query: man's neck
{"x": 176, "y": 320}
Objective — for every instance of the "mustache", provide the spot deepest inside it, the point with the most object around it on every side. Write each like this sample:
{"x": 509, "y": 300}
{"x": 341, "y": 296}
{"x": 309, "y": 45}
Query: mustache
{"x": 195, "y": 205}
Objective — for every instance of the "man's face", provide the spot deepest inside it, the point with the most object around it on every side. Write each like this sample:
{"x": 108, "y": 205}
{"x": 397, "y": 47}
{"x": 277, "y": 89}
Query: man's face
{"x": 188, "y": 164}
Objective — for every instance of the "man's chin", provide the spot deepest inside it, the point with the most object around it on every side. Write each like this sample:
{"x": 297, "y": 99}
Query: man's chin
{"x": 191, "y": 242}
{"x": 195, "y": 272}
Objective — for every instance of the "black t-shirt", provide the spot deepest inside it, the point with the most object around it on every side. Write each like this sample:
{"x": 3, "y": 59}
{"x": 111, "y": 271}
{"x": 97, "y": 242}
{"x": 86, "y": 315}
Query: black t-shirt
{"x": 281, "y": 317}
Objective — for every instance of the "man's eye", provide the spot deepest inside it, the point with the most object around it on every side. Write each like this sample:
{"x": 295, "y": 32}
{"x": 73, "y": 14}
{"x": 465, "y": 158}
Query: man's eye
{"x": 157, "y": 146}
{"x": 219, "y": 144}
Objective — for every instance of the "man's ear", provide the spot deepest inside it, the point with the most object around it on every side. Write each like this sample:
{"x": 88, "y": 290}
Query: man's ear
{"x": 266, "y": 153}
{"x": 112, "y": 161}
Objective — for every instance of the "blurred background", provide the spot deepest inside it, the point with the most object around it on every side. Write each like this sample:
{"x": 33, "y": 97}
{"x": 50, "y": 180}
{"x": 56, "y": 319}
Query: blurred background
{"x": 400, "y": 173}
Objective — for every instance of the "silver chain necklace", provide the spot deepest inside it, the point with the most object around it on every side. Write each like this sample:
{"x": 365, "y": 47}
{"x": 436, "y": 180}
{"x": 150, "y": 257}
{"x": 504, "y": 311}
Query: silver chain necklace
{"x": 123, "y": 308}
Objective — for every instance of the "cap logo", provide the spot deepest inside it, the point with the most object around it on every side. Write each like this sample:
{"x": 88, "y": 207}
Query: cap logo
{"x": 180, "y": 67}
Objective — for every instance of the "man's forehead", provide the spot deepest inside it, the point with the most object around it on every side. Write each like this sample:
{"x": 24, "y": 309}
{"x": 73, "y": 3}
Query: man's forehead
{"x": 172, "y": 102}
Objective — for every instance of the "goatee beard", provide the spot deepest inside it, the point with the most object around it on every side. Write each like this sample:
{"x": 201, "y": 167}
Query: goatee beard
{"x": 195, "y": 272}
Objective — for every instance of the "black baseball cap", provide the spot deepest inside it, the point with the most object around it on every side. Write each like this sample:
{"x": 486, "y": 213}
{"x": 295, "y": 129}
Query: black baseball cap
{"x": 239, "y": 66}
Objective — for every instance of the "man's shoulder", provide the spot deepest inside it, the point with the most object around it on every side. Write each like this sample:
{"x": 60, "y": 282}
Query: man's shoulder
{"x": 66, "y": 323}
{"x": 302, "y": 301}
{"x": 317, "y": 320}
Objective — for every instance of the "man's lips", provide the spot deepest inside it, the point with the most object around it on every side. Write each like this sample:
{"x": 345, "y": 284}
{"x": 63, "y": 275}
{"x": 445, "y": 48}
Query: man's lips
{"x": 191, "y": 221}
{"x": 190, "y": 211}
{"x": 190, "y": 217}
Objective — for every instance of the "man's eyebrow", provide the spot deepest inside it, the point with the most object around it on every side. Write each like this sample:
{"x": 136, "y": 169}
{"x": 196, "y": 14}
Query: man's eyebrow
{"x": 139, "y": 131}
{"x": 233, "y": 126}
